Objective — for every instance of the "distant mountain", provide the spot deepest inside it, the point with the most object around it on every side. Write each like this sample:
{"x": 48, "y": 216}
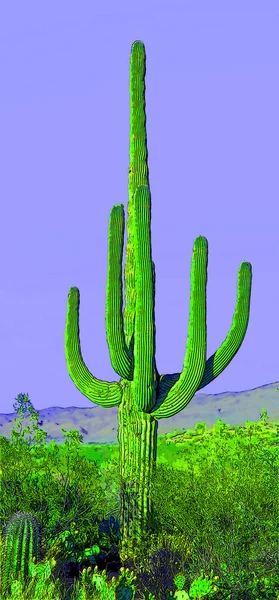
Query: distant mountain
{"x": 99, "y": 425}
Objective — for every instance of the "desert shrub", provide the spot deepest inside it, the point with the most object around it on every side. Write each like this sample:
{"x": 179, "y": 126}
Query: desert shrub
{"x": 222, "y": 507}
{"x": 74, "y": 487}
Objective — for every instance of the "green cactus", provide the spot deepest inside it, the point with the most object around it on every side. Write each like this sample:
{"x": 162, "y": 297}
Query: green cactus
{"x": 121, "y": 588}
{"x": 22, "y": 542}
{"x": 142, "y": 395}
{"x": 179, "y": 595}
{"x": 179, "y": 581}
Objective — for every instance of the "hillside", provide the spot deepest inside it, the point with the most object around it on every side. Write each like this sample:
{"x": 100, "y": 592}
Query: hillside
{"x": 99, "y": 425}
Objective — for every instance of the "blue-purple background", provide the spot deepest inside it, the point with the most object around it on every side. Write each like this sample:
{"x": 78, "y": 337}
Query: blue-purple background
{"x": 213, "y": 129}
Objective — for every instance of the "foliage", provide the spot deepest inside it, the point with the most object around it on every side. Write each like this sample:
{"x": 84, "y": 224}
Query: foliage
{"x": 23, "y": 404}
{"x": 70, "y": 495}
{"x": 205, "y": 515}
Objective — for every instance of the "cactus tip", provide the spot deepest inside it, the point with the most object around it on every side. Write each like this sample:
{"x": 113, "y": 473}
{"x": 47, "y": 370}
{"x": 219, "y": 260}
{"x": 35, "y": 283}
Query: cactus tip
{"x": 138, "y": 45}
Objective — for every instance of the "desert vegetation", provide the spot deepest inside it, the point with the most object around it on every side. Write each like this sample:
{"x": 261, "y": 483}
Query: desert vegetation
{"x": 215, "y": 520}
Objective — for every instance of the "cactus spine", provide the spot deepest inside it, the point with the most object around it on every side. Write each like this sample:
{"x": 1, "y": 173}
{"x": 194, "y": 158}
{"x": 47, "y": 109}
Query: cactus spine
{"x": 142, "y": 395}
{"x": 22, "y": 542}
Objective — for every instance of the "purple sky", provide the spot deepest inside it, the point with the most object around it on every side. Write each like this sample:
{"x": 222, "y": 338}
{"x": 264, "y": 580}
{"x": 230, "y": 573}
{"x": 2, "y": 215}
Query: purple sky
{"x": 213, "y": 129}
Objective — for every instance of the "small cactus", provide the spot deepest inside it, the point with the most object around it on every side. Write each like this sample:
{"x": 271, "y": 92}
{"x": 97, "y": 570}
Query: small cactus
{"x": 202, "y": 586}
{"x": 179, "y": 581}
{"x": 179, "y": 595}
{"x": 22, "y": 543}
{"x": 120, "y": 588}
{"x": 16, "y": 589}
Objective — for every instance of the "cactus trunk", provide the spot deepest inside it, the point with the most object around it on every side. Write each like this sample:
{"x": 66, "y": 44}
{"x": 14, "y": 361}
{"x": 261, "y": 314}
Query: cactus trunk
{"x": 137, "y": 461}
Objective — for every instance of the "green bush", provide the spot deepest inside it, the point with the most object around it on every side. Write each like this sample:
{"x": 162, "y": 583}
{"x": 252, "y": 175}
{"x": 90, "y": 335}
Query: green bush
{"x": 75, "y": 489}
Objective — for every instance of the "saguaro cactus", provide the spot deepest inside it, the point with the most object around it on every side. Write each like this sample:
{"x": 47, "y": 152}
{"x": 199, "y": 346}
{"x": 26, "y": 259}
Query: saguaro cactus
{"x": 142, "y": 395}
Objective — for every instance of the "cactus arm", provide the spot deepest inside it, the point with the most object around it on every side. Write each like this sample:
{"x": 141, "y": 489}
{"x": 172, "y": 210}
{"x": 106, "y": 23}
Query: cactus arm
{"x": 180, "y": 394}
{"x": 104, "y": 393}
{"x": 218, "y": 361}
{"x": 144, "y": 382}
{"x": 121, "y": 361}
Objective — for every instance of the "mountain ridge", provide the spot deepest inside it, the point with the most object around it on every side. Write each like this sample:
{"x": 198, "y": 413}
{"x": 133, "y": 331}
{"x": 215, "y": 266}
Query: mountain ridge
{"x": 99, "y": 425}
